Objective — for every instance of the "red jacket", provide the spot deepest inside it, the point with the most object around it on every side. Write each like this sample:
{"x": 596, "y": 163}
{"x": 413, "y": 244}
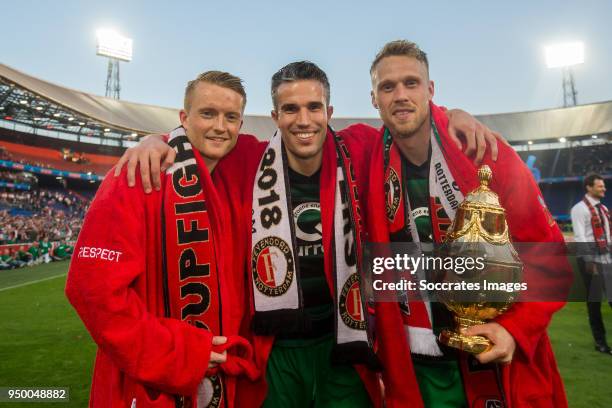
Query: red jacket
{"x": 115, "y": 285}
{"x": 532, "y": 379}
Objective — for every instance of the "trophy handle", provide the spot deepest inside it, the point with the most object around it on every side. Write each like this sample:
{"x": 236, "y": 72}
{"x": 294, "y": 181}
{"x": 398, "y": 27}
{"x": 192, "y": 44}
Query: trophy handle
{"x": 474, "y": 231}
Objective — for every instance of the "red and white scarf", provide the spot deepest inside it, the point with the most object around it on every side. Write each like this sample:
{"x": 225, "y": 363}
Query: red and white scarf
{"x": 275, "y": 266}
{"x": 444, "y": 200}
{"x": 599, "y": 225}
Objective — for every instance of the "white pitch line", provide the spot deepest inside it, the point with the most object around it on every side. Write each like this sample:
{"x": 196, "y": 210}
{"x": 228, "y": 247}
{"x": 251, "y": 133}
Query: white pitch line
{"x": 32, "y": 282}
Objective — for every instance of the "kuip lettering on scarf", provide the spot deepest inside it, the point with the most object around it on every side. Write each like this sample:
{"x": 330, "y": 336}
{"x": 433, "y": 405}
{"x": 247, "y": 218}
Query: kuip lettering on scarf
{"x": 189, "y": 263}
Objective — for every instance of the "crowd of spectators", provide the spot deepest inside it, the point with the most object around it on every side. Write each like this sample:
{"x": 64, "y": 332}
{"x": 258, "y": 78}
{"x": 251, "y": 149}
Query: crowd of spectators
{"x": 38, "y": 226}
{"x": 38, "y": 200}
{"x": 592, "y": 159}
{"x": 573, "y": 161}
{"x": 18, "y": 177}
{"x": 56, "y": 225}
{"x": 34, "y": 253}
{"x": 30, "y": 216}
{"x": 4, "y": 154}
{"x": 65, "y": 153}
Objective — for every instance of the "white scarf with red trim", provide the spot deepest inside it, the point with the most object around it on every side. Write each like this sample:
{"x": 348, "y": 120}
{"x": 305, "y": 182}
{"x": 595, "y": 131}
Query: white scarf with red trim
{"x": 444, "y": 200}
{"x": 275, "y": 266}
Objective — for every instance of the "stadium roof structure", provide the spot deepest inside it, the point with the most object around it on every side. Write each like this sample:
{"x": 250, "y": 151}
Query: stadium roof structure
{"x": 31, "y": 101}
{"x": 549, "y": 124}
{"x": 47, "y": 108}
{"x": 40, "y": 104}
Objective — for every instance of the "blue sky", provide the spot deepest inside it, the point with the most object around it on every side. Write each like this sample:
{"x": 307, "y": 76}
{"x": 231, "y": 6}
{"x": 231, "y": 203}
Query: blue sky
{"x": 485, "y": 57}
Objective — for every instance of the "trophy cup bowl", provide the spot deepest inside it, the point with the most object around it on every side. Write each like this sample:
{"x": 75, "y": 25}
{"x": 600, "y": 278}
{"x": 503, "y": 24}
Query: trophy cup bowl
{"x": 478, "y": 230}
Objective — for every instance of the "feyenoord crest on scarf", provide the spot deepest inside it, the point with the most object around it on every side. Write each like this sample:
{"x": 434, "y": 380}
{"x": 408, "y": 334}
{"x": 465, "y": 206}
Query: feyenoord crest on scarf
{"x": 274, "y": 258}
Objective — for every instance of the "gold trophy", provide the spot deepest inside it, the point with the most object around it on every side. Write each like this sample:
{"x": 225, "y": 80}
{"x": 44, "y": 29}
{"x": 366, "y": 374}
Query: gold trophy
{"x": 479, "y": 230}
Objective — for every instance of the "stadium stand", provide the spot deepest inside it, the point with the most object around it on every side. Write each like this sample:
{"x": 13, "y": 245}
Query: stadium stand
{"x": 34, "y": 212}
{"x": 54, "y": 158}
{"x": 576, "y": 161}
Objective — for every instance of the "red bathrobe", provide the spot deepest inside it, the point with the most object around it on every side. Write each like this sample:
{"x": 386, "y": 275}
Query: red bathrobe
{"x": 532, "y": 379}
{"x": 115, "y": 284}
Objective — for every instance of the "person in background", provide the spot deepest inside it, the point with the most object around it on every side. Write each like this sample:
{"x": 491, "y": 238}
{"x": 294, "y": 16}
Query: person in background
{"x": 591, "y": 223}
{"x": 24, "y": 255}
{"x": 10, "y": 257}
{"x": 154, "y": 277}
{"x": 45, "y": 249}
{"x": 4, "y": 261}
{"x": 62, "y": 251}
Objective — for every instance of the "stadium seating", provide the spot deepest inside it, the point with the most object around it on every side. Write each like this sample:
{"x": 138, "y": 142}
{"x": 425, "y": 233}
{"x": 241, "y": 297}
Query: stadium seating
{"x": 45, "y": 157}
{"x": 575, "y": 161}
{"x": 561, "y": 172}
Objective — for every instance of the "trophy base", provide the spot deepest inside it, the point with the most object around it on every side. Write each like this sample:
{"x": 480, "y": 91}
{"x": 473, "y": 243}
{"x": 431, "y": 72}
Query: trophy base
{"x": 471, "y": 344}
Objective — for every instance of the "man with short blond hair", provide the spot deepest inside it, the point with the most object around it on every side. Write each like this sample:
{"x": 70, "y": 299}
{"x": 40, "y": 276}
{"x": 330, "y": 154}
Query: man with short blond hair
{"x": 399, "y": 48}
{"x": 150, "y": 273}
{"x": 220, "y": 78}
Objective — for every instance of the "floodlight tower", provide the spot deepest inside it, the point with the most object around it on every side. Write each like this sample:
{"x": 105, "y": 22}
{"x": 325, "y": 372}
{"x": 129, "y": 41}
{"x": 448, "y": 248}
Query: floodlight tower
{"x": 116, "y": 48}
{"x": 565, "y": 56}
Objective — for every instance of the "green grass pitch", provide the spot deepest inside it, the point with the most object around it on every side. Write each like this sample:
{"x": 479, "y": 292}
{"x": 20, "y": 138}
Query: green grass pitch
{"x": 43, "y": 342}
